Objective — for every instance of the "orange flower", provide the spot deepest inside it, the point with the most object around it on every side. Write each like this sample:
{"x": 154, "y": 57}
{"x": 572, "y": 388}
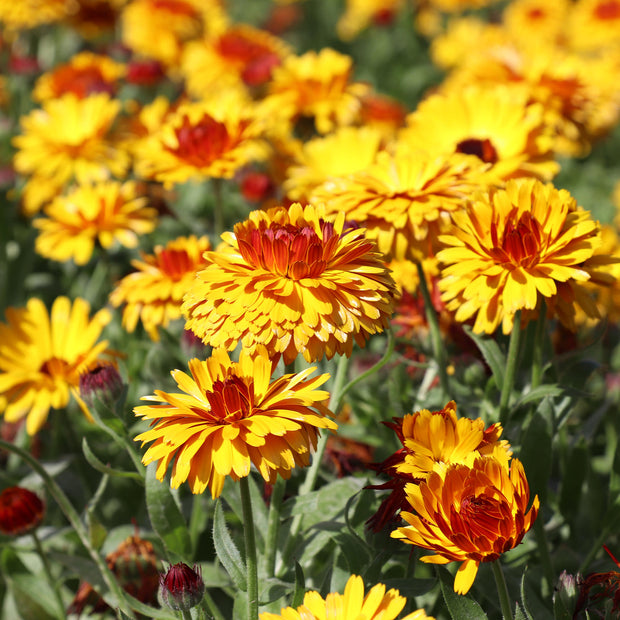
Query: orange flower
{"x": 469, "y": 512}
{"x": 293, "y": 281}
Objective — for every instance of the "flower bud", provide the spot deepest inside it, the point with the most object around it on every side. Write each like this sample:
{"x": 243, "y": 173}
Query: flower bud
{"x": 102, "y": 383}
{"x": 21, "y": 511}
{"x": 182, "y": 587}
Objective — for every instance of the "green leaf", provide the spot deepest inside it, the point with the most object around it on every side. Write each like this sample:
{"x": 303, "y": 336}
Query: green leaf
{"x": 226, "y": 549}
{"x": 300, "y": 587}
{"x": 460, "y": 607}
{"x": 536, "y": 453}
{"x": 101, "y": 467}
{"x": 538, "y": 393}
{"x": 525, "y": 611}
{"x": 492, "y": 354}
{"x": 166, "y": 517}
{"x": 520, "y": 614}
{"x": 32, "y": 597}
{"x": 577, "y": 463}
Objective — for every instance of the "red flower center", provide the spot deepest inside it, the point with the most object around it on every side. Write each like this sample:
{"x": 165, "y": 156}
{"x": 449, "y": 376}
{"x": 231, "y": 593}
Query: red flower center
{"x": 536, "y": 14}
{"x": 482, "y": 149}
{"x": 235, "y": 45}
{"x": 81, "y": 81}
{"x": 480, "y": 518}
{"x": 175, "y": 263}
{"x": 231, "y": 400}
{"x": 177, "y": 7}
{"x": 55, "y": 368}
{"x": 608, "y": 10}
{"x": 202, "y": 143}
{"x": 290, "y": 251}
{"x": 520, "y": 244}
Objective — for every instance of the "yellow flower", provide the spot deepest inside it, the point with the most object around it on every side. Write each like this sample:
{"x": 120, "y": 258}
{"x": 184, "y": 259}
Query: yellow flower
{"x": 159, "y": 28}
{"x": 85, "y": 74}
{"x": 102, "y": 213}
{"x": 511, "y": 248}
{"x": 343, "y": 152}
{"x": 470, "y": 512}
{"x": 229, "y": 416}
{"x": 201, "y": 140}
{"x": 377, "y": 604}
{"x": 495, "y": 123}
{"x": 594, "y": 25}
{"x": 404, "y": 199}
{"x": 317, "y": 85}
{"x": 27, "y": 14}
{"x": 239, "y": 55}
{"x": 68, "y": 139}
{"x": 293, "y": 281}
{"x": 43, "y": 354}
{"x": 153, "y": 294}
{"x": 430, "y": 440}
{"x": 359, "y": 14}
{"x": 544, "y": 20}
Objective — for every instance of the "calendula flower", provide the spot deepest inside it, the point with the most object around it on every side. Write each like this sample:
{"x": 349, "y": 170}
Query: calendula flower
{"x": 404, "y": 198}
{"x": 377, "y": 604}
{"x": 341, "y": 153}
{"x": 159, "y": 28}
{"x": 317, "y": 85}
{"x": 495, "y": 123}
{"x": 513, "y": 247}
{"x": 28, "y": 14}
{"x": 43, "y": 355}
{"x": 154, "y": 292}
{"x": 594, "y": 25}
{"x": 69, "y": 139}
{"x": 241, "y": 54}
{"x": 431, "y": 439}
{"x": 85, "y": 74}
{"x": 202, "y": 140}
{"x": 104, "y": 213}
{"x": 545, "y": 20}
{"x": 294, "y": 281}
{"x": 230, "y": 416}
{"x": 469, "y": 512}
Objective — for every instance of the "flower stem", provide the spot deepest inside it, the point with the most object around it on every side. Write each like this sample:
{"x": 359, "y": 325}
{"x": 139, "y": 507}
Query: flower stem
{"x": 439, "y": 350}
{"x": 74, "y": 518}
{"x": 543, "y": 550}
{"x": 218, "y": 208}
{"x": 273, "y": 526}
{"x": 502, "y": 590}
{"x": 186, "y": 614}
{"x": 250, "y": 549}
{"x": 539, "y": 346}
{"x": 211, "y": 608}
{"x": 511, "y": 368}
{"x": 48, "y": 574}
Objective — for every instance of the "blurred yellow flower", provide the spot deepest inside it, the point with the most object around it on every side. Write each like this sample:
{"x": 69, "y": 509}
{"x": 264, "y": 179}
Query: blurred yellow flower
{"x": 318, "y": 86}
{"x": 102, "y": 213}
{"x": 469, "y": 512}
{"x": 359, "y": 14}
{"x": 377, "y": 604}
{"x": 27, "y": 14}
{"x": 43, "y": 354}
{"x": 230, "y": 416}
{"x": 513, "y": 247}
{"x": 153, "y": 294}
{"x": 293, "y": 281}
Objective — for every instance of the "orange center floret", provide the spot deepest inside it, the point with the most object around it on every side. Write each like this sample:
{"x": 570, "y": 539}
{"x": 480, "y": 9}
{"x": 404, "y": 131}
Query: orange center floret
{"x": 481, "y": 517}
{"x": 230, "y": 400}
{"x": 482, "y": 149}
{"x": 520, "y": 244}
{"x": 290, "y": 251}
{"x": 175, "y": 263}
{"x": 536, "y": 14}
{"x": 81, "y": 82}
{"x": 56, "y": 368}
{"x": 178, "y": 7}
{"x": 608, "y": 10}
{"x": 202, "y": 143}
{"x": 235, "y": 46}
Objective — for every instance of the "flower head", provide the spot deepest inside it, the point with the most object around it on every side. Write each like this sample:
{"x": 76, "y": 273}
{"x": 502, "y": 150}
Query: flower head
{"x": 469, "y": 512}
{"x": 154, "y": 292}
{"x": 200, "y": 140}
{"x": 182, "y": 587}
{"x": 31, "y": 13}
{"x": 377, "y": 604}
{"x": 511, "y": 248}
{"x": 21, "y": 511}
{"x": 102, "y": 213}
{"x": 293, "y": 281}
{"x": 432, "y": 439}
{"x": 317, "y": 85}
{"x": 43, "y": 355}
{"x": 229, "y": 416}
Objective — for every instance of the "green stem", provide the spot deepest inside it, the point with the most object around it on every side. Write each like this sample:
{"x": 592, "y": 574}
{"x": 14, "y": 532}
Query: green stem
{"x": 502, "y": 590}
{"x": 273, "y": 526}
{"x": 539, "y": 346}
{"x": 186, "y": 614}
{"x": 543, "y": 550}
{"x": 74, "y": 518}
{"x": 511, "y": 368}
{"x": 250, "y": 549}
{"x": 439, "y": 351}
{"x": 218, "y": 208}
{"x": 48, "y": 574}
{"x": 208, "y": 604}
